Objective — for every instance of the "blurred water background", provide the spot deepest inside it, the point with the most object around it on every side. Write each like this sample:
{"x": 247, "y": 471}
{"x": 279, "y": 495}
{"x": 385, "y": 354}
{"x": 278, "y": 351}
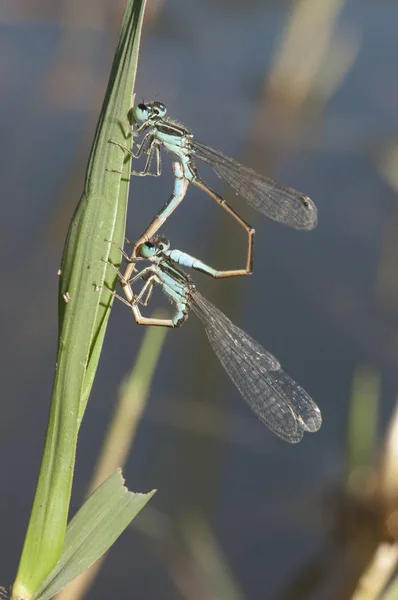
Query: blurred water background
{"x": 304, "y": 92}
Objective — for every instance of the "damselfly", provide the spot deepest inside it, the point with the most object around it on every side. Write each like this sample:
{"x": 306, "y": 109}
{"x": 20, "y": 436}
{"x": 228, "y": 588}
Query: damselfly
{"x": 274, "y": 397}
{"x": 281, "y": 203}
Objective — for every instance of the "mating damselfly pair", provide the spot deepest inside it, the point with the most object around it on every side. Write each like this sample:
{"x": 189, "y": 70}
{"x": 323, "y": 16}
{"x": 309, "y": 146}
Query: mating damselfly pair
{"x": 280, "y": 203}
{"x": 275, "y": 398}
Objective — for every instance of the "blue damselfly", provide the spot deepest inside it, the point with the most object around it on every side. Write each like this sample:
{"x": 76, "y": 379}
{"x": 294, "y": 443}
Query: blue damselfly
{"x": 281, "y": 203}
{"x": 274, "y": 397}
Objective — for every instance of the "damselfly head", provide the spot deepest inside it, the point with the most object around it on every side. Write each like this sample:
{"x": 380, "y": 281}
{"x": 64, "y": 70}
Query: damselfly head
{"x": 152, "y": 248}
{"x": 145, "y": 112}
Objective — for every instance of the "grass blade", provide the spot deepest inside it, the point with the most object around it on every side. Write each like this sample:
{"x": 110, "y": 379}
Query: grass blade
{"x": 83, "y": 310}
{"x": 92, "y": 531}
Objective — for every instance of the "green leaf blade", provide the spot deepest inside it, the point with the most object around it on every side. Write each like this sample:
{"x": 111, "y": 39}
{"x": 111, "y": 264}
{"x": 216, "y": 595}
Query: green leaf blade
{"x": 93, "y": 530}
{"x": 83, "y": 310}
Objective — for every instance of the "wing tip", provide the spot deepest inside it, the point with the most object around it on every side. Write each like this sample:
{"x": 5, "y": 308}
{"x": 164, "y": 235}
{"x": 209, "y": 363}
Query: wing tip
{"x": 313, "y": 421}
{"x": 311, "y": 213}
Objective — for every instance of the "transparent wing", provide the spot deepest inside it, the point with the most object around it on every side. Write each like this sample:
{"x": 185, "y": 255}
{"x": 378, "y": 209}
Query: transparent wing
{"x": 273, "y": 396}
{"x": 229, "y": 336}
{"x": 283, "y": 204}
{"x": 303, "y": 406}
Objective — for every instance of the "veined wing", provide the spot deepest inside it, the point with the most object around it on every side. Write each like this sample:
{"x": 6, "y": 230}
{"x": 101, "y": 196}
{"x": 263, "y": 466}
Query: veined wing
{"x": 281, "y": 203}
{"x": 273, "y": 396}
{"x": 301, "y": 403}
{"x": 231, "y": 338}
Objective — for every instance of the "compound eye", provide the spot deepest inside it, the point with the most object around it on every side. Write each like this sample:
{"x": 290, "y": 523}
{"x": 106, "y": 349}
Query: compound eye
{"x": 140, "y": 112}
{"x": 147, "y": 250}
